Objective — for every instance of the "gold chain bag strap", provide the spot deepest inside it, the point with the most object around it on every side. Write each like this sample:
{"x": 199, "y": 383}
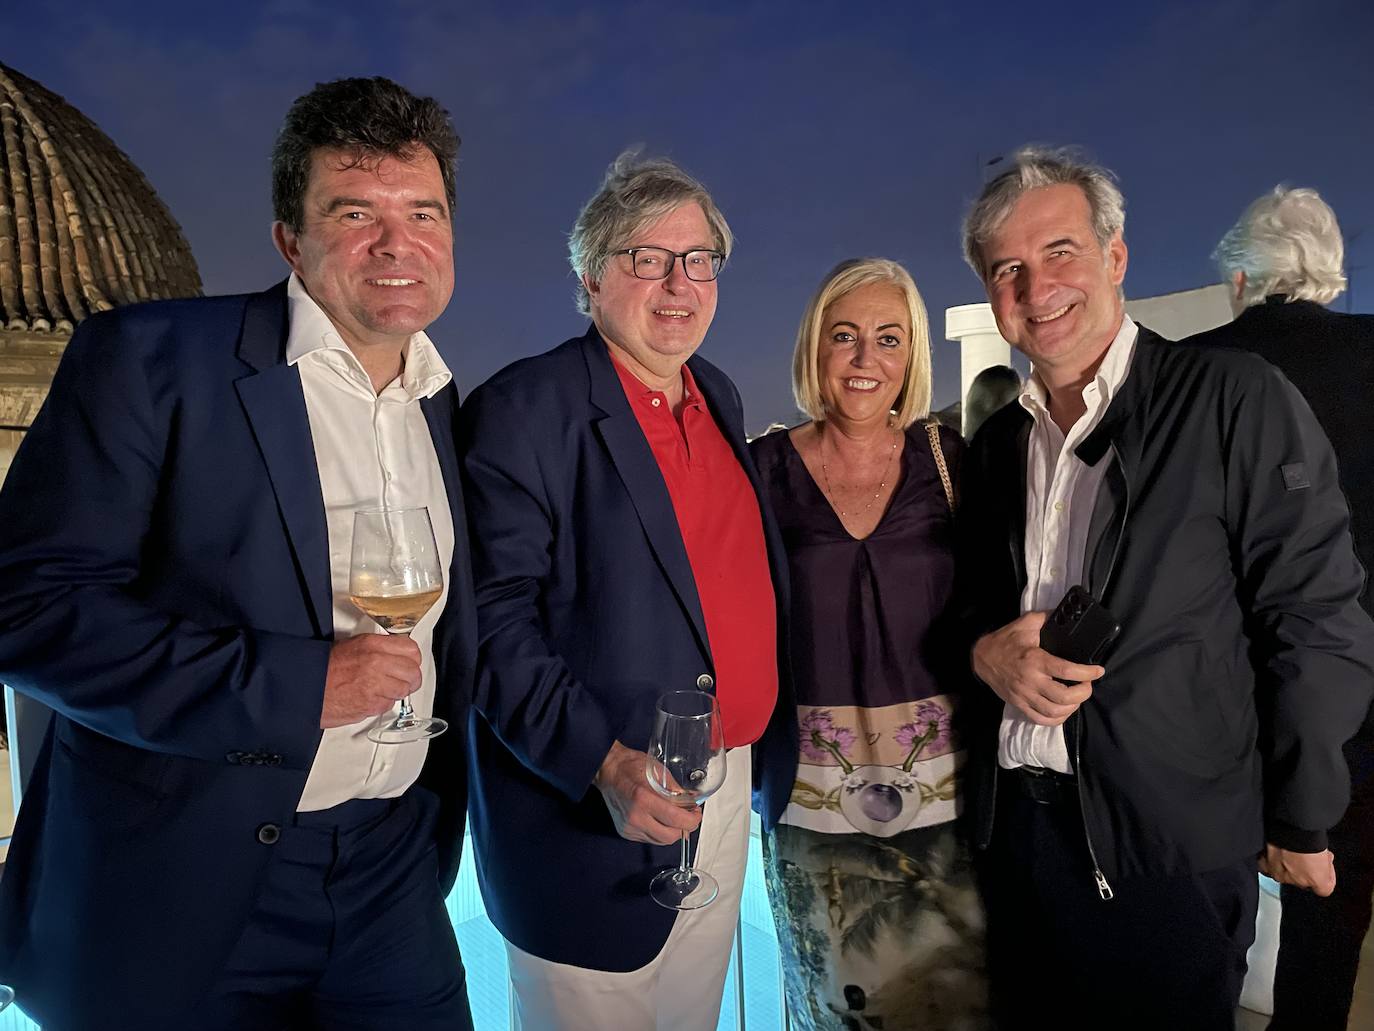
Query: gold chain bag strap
{"x": 933, "y": 432}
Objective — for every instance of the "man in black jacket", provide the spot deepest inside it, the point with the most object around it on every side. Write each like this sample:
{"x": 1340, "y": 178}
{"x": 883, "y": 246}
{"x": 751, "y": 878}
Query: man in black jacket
{"x": 1123, "y": 805}
{"x": 1283, "y": 261}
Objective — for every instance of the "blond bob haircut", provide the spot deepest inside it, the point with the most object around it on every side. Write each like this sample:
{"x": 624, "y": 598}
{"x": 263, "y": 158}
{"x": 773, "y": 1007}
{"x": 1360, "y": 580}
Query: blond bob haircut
{"x": 913, "y": 402}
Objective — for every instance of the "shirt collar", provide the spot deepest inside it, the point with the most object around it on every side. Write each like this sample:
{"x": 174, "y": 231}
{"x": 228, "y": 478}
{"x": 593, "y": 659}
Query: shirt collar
{"x": 1111, "y": 372}
{"x": 636, "y": 389}
{"x": 423, "y": 372}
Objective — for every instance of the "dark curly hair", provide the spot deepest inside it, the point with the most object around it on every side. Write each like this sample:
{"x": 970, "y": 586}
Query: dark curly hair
{"x": 368, "y": 117}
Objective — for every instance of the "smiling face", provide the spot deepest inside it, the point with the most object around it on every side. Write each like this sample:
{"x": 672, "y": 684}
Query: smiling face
{"x": 656, "y": 324}
{"x": 1053, "y": 287}
{"x": 375, "y": 249}
{"x": 864, "y": 351}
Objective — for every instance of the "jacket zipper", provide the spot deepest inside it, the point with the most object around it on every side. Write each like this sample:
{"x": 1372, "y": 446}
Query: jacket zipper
{"x": 1104, "y": 889}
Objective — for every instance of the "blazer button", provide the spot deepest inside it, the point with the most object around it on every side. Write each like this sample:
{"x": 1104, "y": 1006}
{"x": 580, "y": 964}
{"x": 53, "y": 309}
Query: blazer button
{"x": 705, "y": 683}
{"x": 269, "y": 833}
{"x": 234, "y": 758}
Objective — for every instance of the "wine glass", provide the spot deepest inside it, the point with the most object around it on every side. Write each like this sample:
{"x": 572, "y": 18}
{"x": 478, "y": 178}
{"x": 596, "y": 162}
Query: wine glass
{"x": 6, "y": 996}
{"x": 686, "y": 764}
{"x": 395, "y": 578}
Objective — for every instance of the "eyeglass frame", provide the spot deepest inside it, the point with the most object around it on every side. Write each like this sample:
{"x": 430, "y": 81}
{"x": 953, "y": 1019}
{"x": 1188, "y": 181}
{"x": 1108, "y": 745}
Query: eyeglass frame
{"x": 677, "y": 255}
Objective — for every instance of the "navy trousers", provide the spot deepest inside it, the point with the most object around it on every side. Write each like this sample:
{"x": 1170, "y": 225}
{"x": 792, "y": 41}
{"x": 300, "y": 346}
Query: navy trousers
{"x": 1164, "y": 952}
{"x": 349, "y": 932}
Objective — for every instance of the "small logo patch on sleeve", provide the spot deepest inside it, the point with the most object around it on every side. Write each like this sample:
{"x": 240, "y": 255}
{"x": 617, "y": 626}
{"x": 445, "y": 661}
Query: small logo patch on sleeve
{"x": 1295, "y": 476}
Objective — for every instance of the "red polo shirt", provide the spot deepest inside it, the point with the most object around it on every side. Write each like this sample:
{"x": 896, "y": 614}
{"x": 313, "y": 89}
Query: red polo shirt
{"x": 718, "y": 517}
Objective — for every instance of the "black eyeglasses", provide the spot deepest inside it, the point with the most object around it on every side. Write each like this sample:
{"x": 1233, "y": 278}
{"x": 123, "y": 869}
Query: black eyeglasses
{"x": 657, "y": 263}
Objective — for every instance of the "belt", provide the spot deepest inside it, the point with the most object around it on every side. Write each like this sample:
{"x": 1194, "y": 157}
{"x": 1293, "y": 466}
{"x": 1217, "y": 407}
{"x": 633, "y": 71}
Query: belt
{"x": 1048, "y": 787}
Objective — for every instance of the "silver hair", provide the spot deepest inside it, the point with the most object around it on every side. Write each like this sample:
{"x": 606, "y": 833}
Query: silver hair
{"x": 635, "y": 192}
{"x": 1032, "y": 168}
{"x": 1287, "y": 242}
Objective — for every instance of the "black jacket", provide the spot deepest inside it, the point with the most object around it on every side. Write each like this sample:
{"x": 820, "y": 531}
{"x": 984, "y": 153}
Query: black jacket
{"x": 1221, "y": 542}
{"x": 1329, "y": 357}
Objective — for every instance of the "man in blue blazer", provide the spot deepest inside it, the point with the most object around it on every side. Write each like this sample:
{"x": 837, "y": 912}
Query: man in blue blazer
{"x": 209, "y": 839}
{"x": 620, "y": 550}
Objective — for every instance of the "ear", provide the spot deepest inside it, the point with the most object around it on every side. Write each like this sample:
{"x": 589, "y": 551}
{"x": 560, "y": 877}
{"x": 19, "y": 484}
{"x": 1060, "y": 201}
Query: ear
{"x": 592, "y": 287}
{"x": 287, "y": 242}
{"x": 1237, "y": 285}
{"x": 1116, "y": 259}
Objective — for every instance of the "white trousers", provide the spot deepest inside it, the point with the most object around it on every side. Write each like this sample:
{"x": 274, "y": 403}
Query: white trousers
{"x": 680, "y": 988}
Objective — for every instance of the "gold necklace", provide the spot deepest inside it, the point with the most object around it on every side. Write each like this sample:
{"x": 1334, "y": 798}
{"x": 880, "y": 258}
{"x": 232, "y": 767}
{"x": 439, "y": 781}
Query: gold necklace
{"x": 882, "y": 482}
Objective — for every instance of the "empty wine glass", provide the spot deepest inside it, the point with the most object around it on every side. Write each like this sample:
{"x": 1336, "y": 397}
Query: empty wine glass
{"x": 396, "y": 577}
{"x": 686, "y": 764}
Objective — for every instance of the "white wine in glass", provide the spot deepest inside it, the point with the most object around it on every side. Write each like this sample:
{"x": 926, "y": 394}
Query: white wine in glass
{"x": 686, "y": 765}
{"x": 396, "y": 577}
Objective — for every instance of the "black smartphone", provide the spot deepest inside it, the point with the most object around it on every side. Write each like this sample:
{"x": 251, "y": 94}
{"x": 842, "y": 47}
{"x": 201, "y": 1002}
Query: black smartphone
{"x": 1079, "y": 629}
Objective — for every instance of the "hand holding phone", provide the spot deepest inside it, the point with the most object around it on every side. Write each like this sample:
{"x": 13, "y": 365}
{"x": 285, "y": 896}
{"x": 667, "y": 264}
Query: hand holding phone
{"x": 1079, "y": 629}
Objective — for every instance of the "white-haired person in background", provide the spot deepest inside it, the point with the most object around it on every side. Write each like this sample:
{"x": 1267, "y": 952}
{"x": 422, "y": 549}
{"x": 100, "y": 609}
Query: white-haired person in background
{"x": 1283, "y": 259}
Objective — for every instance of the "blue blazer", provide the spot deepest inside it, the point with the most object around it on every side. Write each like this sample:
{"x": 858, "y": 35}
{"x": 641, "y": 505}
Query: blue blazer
{"x": 165, "y": 587}
{"x": 587, "y": 611}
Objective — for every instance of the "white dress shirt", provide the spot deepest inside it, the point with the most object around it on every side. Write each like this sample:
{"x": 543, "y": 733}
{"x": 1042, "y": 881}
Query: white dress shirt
{"x": 1060, "y": 492}
{"x": 372, "y": 449}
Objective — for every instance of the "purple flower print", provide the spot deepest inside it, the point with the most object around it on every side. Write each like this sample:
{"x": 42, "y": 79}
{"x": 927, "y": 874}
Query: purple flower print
{"x": 821, "y": 738}
{"x": 928, "y": 733}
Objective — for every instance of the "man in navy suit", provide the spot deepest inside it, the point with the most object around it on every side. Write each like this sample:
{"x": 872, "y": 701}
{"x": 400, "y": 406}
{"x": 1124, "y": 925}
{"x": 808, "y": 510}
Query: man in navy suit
{"x": 210, "y": 840}
{"x": 620, "y": 550}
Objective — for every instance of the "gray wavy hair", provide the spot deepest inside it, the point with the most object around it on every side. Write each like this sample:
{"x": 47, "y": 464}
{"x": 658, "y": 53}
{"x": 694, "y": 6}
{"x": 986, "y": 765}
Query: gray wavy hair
{"x": 1287, "y": 242}
{"x": 1034, "y": 167}
{"x": 635, "y": 192}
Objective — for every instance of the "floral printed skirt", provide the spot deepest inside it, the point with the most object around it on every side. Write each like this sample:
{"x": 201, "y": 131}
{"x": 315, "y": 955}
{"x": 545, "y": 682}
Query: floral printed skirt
{"x": 878, "y": 932}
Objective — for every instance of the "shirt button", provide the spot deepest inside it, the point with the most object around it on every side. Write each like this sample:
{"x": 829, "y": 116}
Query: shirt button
{"x": 269, "y": 833}
{"x": 656, "y": 402}
{"x": 1059, "y": 506}
{"x": 705, "y": 683}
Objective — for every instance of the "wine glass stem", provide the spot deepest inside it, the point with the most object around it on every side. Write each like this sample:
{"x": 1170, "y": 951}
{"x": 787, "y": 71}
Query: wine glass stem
{"x": 686, "y": 865}
{"x": 406, "y": 712}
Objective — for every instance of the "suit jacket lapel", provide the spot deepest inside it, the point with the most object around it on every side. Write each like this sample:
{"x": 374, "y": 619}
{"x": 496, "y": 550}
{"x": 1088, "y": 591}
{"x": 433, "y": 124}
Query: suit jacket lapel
{"x": 440, "y": 411}
{"x": 634, "y": 463}
{"x": 275, "y": 405}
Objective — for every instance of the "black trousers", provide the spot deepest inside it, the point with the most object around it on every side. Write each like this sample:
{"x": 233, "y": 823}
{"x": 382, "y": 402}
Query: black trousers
{"x": 349, "y": 932}
{"x": 1164, "y": 952}
{"x": 1320, "y": 938}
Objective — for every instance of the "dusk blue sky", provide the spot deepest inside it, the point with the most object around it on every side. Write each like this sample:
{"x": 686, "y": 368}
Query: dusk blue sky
{"x": 825, "y": 131}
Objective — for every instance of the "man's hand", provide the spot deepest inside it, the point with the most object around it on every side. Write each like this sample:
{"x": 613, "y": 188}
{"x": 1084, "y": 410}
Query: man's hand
{"x": 640, "y": 813}
{"x": 366, "y": 675}
{"x": 1315, "y": 871}
{"x": 1024, "y": 675}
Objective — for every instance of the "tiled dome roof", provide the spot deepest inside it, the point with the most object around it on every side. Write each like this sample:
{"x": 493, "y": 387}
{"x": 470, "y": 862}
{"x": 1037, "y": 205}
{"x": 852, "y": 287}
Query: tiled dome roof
{"x": 81, "y": 229}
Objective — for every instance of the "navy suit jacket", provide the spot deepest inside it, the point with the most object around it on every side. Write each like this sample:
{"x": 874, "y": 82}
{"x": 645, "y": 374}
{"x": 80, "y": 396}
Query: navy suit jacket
{"x": 165, "y": 588}
{"x": 588, "y": 611}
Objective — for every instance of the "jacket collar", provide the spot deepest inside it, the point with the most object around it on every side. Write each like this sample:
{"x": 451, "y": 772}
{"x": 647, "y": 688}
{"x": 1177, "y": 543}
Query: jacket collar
{"x": 1133, "y": 395}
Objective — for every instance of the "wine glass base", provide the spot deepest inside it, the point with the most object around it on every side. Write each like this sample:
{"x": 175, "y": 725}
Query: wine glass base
{"x": 401, "y": 731}
{"x": 684, "y": 890}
